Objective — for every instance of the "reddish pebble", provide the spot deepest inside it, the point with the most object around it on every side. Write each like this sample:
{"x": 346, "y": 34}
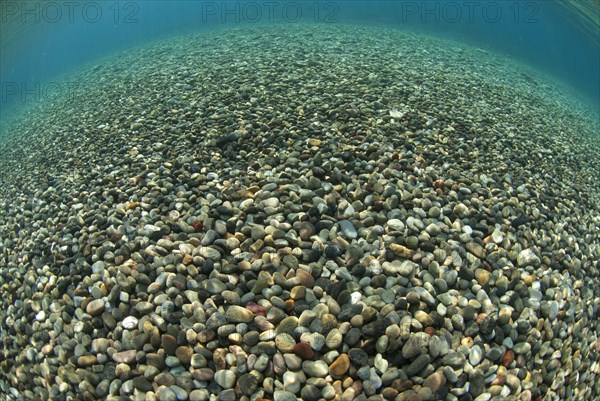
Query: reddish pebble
{"x": 508, "y": 358}
{"x": 197, "y": 224}
{"x": 303, "y": 350}
{"x": 256, "y": 309}
{"x": 439, "y": 184}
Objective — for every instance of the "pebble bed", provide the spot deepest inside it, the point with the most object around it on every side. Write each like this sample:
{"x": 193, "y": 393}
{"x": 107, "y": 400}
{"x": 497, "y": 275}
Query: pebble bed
{"x": 319, "y": 213}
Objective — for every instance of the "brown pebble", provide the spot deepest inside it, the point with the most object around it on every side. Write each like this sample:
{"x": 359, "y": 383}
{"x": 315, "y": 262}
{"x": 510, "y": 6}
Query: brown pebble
{"x": 389, "y": 393}
{"x": 256, "y": 309}
{"x": 508, "y": 358}
{"x": 184, "y": 354}
{"x": 340, "y": 365}
{"x": 169, "y": 343}
{"x": 435, "y": 381}
{"x": 303, "y": 350}
{"x": 402, "y": 385}
{"x": 86, "y": 360}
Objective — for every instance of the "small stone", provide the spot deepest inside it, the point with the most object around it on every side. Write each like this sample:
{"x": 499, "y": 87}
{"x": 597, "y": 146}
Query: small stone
{"x": 310, "y": 393}
{"x": 527, "y": 257}
{"x": 315, "y": 368}
{"x": 144, "y": 308}
{"x": 248, "y": 383}
{"x": 303, "y": 350}
{"x": 169, "y": 344}
{"x": 95, "y": 307}
{"x": 435, "y": 381}
{"x": 313, "y": 142}
{"x": 239, "y": 314}
{"x": 504, "y": 315}
{"x": 494, "y": 354}
{"x": 475, "y": 249}
{"x": 87, "y": 360}
{"x": 348, "y": 229}
{"x": 476, "y": 383}
{"x": 285, "y": 342}
{"x": 292, "y": 382}
{"x": 508, "y": 358}
{"x": 475, "y": 355}
{"x": 225, "y": 378}
{"x": 417, "y": 365}
{"x": 482, "y": 276}
{"x": 358, "y": 356}
{"x": 184, "y": 354}
{"x": 306, "y": 230}
{"x": 522, "y": 348}
{"x": 395, "y": 225}
{"x": 402, "y": 251}
{"x": 125, "y": 356}
{"x": 130, "y": 322}
{"x": 198, "y": 395}
{"x": 412, "y": 347}
{"x": 167, "y": 395}
{"x": 340, "y": 366}
{"x": 141, "y": 383}
{"x": 282, "y": 395}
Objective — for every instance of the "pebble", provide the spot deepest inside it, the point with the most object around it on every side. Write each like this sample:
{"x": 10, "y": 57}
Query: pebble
{"x": 348, "y": 229}
{"x": 527, "y": 257}
{"x": 340, "y": 366}
{"x": 315, "y": 368}
{"x": 417, "y": 365}
{"x": 239, "y": 314}
{"x": 225, "y": 378}
{"x": 124, "y": 356}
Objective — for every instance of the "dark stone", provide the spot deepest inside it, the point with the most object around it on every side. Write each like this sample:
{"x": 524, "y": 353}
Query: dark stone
{"x": 142, "y": 384}
{"x": 358, "y": 357}
{"x": 310, "y": 393}
{"x": 375, "y": 328}
{"x": 519, "y": 221}
{"x": 247, "y": 383}
{"x": 332, "y": 251}
{"x": 476, "y": 383}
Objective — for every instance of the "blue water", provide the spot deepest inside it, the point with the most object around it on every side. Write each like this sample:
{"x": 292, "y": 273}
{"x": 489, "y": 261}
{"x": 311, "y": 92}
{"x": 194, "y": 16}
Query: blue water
{"x": 44, "y": 40}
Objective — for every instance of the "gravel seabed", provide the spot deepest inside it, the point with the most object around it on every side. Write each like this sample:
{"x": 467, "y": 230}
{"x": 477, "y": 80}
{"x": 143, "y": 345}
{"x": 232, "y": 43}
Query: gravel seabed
{"x": 324, "y": 213}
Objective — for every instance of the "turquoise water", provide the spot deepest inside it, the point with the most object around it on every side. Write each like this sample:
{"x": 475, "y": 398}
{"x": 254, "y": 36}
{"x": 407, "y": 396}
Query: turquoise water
{"x": 42, "y": 41}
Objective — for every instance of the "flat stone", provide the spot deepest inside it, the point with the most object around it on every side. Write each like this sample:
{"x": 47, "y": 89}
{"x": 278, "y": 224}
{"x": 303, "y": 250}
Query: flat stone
{"x": 435, "y": 381}
{"x": 141, "y": 383}
{"x": 417, "y": 365}
{"x": 248, "y": 383}
{"x": 282, "y": 395}
{"x": 285, "y": 342}
{"x": 125, "y": 356}
{"x": 239, "y": 314}
{"x": 87, "y": 360}
{"x": 527, "y": 257}
{"x": 475, "y": 355}
{"x": 95, "y": 307}
{"x": 348, "y": 229}
{"x": 225, "y": 378}
{"x": 340, "y": 366}
{"x": 315, "y": 368}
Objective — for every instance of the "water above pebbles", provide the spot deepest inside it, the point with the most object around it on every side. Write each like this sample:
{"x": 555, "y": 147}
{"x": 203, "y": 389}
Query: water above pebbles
{"x": 259, "y": 215}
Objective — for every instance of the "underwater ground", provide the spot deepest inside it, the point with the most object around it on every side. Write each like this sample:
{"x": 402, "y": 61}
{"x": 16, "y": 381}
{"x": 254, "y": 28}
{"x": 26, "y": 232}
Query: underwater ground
{"x": 323, "y": 213}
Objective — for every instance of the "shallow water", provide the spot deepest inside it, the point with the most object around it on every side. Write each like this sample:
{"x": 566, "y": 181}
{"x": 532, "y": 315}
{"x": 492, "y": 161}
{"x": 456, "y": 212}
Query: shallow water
{"x": 281, "y": 213}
